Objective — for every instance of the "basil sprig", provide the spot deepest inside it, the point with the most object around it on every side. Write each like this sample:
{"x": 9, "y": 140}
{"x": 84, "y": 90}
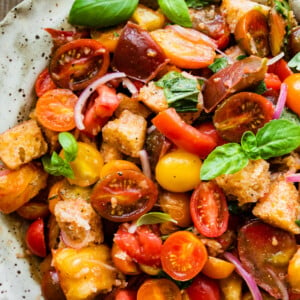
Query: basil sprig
{"x": 154, "y": 218}
{"x": 58, "y": 166}
{"x": 218, "y": 64}
{"x": 101, "y": 13}
{"x": 180, "y": 92}
{"x": 276, "y": 138}
{"x": 176, "y": 11}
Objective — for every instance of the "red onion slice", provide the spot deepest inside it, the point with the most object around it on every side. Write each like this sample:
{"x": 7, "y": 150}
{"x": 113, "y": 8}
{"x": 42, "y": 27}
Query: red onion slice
{"x": 73, "y": 243}
{"x": 293, "y": 177}
{"x": 247, "y": 277}
{"x": 130, "y": 86}
{"x": 86, "y": 94}
{"x": 275, "y": 59}
{"x": 282, "y": 288}
{"x": 145, "y": 163}
{"x": 281, "y": 101}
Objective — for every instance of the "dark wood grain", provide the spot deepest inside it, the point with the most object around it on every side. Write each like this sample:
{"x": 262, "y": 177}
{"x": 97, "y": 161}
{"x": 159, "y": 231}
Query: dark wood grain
{"x": 6, "y": 5}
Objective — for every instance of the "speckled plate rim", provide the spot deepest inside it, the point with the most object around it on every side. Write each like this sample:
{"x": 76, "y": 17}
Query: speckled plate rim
{"x": 24, "y": 52}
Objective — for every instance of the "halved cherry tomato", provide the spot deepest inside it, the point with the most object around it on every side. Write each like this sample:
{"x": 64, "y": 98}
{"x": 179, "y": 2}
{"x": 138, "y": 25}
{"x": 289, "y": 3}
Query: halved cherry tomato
{"x": 33, "y": 210}
{"x": 78, "y": 63}
{"x": 44, "y": 83}
{"x": 272, "y": 81}
{"x": 209, "y": 209}
{"x": 143, "y": 246}
{"x": 35, "y": 238}
{"x": 242, "y": 112}
{"x": 55, "y": 110}
{"x": 252, "y": 33}
{"x": 185, "y": 136}
{"x": 117, "y": 165}
{"x": 293, "y": 272}
{"x": 183, "y": 51}
{"x": 265, "y": 252}
{"x": 158, "y": 289}
{"x": 210, "y": 130}
{"x": 204, "y": 288}
{"x": 183, "y": 255}
{"x": 281, "y": 69}
{"x": 217, "y": 268}
{"x": 277, "y": 33}
{"x": 124, "y": 196}
{"x": 126, "y": 294}
{"x": 50, "y": 286}
{"x": 293, "y": 89}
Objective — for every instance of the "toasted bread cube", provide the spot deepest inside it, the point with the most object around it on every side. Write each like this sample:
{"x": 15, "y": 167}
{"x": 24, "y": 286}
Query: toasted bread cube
{"x": 21, "y": 144}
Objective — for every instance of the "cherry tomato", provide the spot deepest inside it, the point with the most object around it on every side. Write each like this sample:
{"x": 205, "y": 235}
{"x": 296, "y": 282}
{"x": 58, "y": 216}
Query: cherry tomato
{"x": 185, "y": 136}
{"x": 50, "y": 286}
{"x": 158, "y": 289}
{"x": 265, "y": 252}
{"x": 272, "y": 81}
{"x": 143, "y": 246}
{"x": 209, "y": 209}
{"x": 242, "y": 112}
{"x": 33, "y": 210}
{"x": 117, "y": 165}
{"x": 183, "y": 255}
{"x": 78, "y": 63}
{"x": 125, "y": 294}
{"x": 55, "y": 110}
{"x": 217, "y": 268}
{"x": 210, "y": 130}
{"x": 281, "y": 69}
{"x": 204, "y": 288}
{"x": 124, "y": 196}
{"x": 277, "y": 31}
{"x": 35, "y": 238}
{"x": 293, "y": 272}
{"x": 252, "y": 33}
{"x": 182, "y": 51}
{"x": 293, "y": 89}
{"x": 44, "y": 83}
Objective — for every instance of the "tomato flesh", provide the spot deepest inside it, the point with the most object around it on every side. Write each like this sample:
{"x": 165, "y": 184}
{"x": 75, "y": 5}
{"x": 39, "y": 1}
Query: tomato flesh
{"x": 44, "y": 83}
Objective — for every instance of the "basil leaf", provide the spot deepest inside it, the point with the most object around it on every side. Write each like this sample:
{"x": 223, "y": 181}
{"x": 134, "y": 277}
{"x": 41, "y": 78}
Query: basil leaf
{"x": 154, "y": 218}
{"x": 101, "y": 13}
{"x": 57, "y": 166}
{"x": 69, "y": 144}
{"x": 241, "y": 57}
{"x": 297, "y": 222}
{"x": 291, "y": 116}
{"x": 260, "y": 88}
{"x": 282, "y": 7}
{"x": 226, "y": 159}
{"x": 218, "y": 64}
{"x": 176, "y": 11}
{"x": 295, "y": 62}
{"x": 197, "y": 3}
{"x": 249, "y": 145}
{"x": 278, "y": 137}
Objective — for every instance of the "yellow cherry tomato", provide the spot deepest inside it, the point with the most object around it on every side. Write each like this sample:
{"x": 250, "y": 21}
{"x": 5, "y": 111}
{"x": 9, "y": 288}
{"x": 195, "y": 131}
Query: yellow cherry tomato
{"x": 217, "y": 268}
{"x": 293, "y": 272}
{"x": 178, "y": 171}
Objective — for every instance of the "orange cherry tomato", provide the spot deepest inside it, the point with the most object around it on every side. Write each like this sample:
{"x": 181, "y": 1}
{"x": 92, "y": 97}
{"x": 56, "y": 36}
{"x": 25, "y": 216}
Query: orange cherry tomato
{"x": 33, "y": 210}
{"x": 293, "y": 90}
{"x": 158, "y": 289}
{"x": 54, "y": 196}
{"x": 44, "y": 83}
{"x": 217, "y": 268}
{"x": 117, "y": 165}
{"x": 183, "y": 255}
{"x": 55, "y": 110}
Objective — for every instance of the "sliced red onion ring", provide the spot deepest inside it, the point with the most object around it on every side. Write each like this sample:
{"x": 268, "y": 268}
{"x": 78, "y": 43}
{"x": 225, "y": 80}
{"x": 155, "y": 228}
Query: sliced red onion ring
{"x": 150, "y": 129}
{"x": 247, "y": 277}
{"x": 72, "y": 243}
{"x": 86, "y": 94}
{"x": 282, "y": 288}
{"x": 275, "y": 59}
{"x": 130, "y": 86}
{"x": 145, "y": 163}
{"x": 293, "y": 177}
{"x": 281, "y": 101}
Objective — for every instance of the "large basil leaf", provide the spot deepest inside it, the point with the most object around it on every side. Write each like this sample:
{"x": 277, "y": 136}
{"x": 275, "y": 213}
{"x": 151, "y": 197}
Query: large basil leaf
{"x": 176, "y": 11}
{"x": 101, "y": 13}
{"x": 278, "y": 137}
{"x": 225, "y": 159}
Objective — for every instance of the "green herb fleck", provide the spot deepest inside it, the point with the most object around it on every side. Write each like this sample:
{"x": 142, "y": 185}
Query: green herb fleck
{"x": 218, "y": 64}
{"x": 295, "y": 62}
{"x": 241, "y": 57}
{"x": 260, "y": 88}
{"x": 297, "y": 222}
{"x": 197, "y": 3}
{"x": 116, "y": 34}
{"x": 282, "y": 7}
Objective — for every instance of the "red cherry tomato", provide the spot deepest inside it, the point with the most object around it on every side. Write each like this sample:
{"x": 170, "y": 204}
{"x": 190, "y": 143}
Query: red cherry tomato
{"x": 210, "y": 130}
{"x": 44, "y": 83}
{"x": 125, "y": 295}
{"x": 204, "y": 288}
{"x": 209, "y": 209}
{"x": 272, "y": 81}
{"x": 143, "y": 246}
{"x": 183, "y": 255}
{"x": 281, "y": 69}
{"x": 35, "y": 238}
{"x": 124, "y": 196}
{"x": 78, "y": 63}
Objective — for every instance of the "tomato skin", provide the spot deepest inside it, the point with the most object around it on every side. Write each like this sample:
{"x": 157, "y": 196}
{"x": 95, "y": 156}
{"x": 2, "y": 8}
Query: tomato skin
{"x": 217, "y": 268}
{"x": 272, "y": 81}
{"x": 134, "y": 194}
{"x": 126, "y": 295}
{"x": 293, "y": 89}
{"x": 210, "y": 130}
{"x": 78, "y": 63}
{"x": 33, "y": 210}
{"x": 183, "y": 255}
{"x": 117, "y": 165}
{"x": 185, "y": 136}
{"x": 204, "y": 288}
{"x": 281, "y": 69}
{"x": 44, "y": 83}
{"x": 35, "y": 238}
{"x": 212, "y": 221}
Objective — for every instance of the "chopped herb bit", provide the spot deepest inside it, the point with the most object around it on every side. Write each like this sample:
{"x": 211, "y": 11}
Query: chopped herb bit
{"x": 197, "y": 3}
{"x": 260, "y": 88}
{"x": 295, "y": 62}
{"x": 116, "y": 34}
{"x": 297, "y": 222}
{"x": 218, "y": 64}
{"x": 241, "y": 57}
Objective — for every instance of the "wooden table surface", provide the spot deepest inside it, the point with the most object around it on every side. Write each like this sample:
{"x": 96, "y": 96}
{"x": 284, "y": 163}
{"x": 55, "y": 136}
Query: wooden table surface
{"x": 6, "y": 5}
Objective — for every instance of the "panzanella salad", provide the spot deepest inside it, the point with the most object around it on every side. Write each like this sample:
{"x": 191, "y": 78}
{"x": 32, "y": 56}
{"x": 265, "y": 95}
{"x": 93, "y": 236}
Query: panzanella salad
{"x": 162, "y": 157}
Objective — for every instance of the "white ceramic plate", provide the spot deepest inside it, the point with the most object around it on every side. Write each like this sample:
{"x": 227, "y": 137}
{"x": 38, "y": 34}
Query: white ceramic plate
{"x": 24, "y": 52}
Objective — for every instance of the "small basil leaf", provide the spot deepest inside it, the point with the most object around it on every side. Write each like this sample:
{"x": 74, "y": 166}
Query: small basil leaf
{"x": 69, "y": 144}
{"x": 218, "y": 64}
{"x": 101, "y": 13}
{"x": 57, "y": 166}
{"x": 291, "y": 116}
{"x": 249, "y": 145}
{"x": 176, "y": 11}
{"x": 225, "y": 159}
{"x": 260, "y": 88}
{"x": 197, "y": 3}
{"x": 154, "y": 218}
{"x": 278, "y": 137}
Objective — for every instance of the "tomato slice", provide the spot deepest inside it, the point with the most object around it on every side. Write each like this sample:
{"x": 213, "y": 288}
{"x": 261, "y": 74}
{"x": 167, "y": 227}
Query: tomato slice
{"x": 281, "y": 69}
{"x": 185, "y": 136}
{"x": 265, "y": 252}
{"x": 242, "y": 112}
{"x": 44, "y": 83}
{"x": 143, "y": 246}
{"x": 78, "y": 63}
{"x": 183, "y": 255}
{"x": 124, "y": 196}
{"x": 55, "y": 110}
{"x": 209, "y": 209}
{"x": 272, "y": 81}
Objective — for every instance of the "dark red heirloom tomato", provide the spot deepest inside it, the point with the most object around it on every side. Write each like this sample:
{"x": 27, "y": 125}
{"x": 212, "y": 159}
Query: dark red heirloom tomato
{"x": 143, "y": 245}
{"x": 44, "y": 83}
{"x": 209, "y": 209}
{"x": 78, "y": 63}
{"x": 35, "y": 238}
{"x": 124, "y": 196}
